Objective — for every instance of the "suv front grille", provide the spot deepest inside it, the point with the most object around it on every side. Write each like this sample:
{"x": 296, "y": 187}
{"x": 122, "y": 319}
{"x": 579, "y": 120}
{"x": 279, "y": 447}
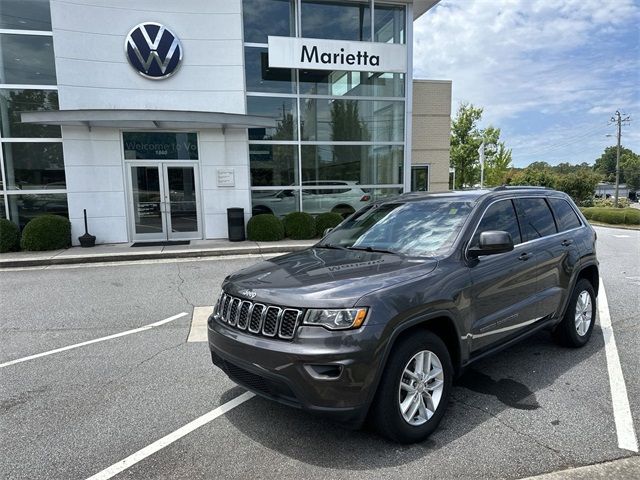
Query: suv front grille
{"x": 257, "y": 318}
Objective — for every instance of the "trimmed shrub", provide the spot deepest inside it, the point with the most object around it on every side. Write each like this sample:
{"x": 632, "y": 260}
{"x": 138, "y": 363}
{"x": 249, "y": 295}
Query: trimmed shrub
{"x": 623, "y": 202}
{"x": 299, "y": 226}
{"x": 46, "y": 232}
{"x": 9, "y": 236}
{"x": 613, "y": 216}
{"x": 327, "y": 220}
{"x": 265, "y": 228}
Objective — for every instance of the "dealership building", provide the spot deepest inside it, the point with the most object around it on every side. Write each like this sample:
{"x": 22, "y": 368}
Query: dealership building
{"x": 156, "y": 117}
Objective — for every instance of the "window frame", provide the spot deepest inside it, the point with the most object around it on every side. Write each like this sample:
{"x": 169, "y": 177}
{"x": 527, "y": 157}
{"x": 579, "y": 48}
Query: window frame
{"x": 557, "y": 218}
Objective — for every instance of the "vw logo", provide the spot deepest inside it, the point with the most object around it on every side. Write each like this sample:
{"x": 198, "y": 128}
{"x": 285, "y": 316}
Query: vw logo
{"x": 153, "y": 50}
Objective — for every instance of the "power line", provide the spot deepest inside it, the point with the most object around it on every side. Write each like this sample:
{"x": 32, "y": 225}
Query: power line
{"x": 617, "y": 118}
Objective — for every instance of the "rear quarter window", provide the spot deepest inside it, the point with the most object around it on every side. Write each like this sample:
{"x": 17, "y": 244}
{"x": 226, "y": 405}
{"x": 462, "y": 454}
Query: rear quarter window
{"x": 536, "y": 219}
{"x": 566, "y": 216}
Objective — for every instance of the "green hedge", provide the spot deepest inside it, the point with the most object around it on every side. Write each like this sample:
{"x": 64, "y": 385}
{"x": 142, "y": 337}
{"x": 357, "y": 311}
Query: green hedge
{"x": 46, "y": 232}
{"x": 9, "y": 236}
{"x": 265, "y": 228}
{"x": 327, "y": 220}
{"x": 614, "y": 216}
{"x": 299, "y": 226}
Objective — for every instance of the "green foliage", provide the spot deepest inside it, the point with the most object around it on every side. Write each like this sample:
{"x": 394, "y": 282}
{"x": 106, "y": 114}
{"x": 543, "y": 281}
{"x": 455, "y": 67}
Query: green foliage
{"x": 46, "y": 232}
{"x": 579, "y": 186}
{"x": 631, "y": 171}
{"x": 265, "y": 228}
{"x": 540, "y": 177}
{"x": 614, "y": 216}
{"x": 327, "y": 220}
{"x": 497, "y": 166}
{"x": 299, "y": 226}
{"x": 606, "y": 164}
{"x": 9, "y": 236}
{"x": 610, "y": 202}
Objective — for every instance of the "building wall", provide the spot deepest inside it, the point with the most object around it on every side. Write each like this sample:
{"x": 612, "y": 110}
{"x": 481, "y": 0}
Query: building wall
{"x": 93, "y": 72}
{"x": 431, "y": 130}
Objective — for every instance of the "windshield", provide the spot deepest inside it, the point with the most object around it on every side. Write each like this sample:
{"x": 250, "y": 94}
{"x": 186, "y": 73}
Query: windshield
{"x": 422, "y": 229}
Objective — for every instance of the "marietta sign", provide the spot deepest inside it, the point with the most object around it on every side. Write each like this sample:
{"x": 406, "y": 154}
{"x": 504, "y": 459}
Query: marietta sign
{"x": 315, "y": 54}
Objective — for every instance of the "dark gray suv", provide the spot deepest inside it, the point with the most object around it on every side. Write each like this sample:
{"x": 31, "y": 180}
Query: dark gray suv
{"x": 381, "y": 315}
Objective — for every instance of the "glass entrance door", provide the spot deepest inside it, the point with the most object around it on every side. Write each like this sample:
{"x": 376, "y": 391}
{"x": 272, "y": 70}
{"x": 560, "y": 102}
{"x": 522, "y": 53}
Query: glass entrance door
{"x": 164, "y": 202}
{"x": 420, "y": 178}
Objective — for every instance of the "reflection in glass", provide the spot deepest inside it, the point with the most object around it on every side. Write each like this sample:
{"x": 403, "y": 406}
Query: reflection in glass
{"x": 389, "y": 24}
{"x": 147, "y": 210}
{"x": 30, "y": 166}
{"x": 364, "y": 164}
{"x": 14, "y": 102}
{"x": 25, "y": 15}
{"x": 27, "y": 59}
{"x": 261, "y": 78}
{"x": 273, "y": 165}
{"x": 352, "y": 120}
{"x": 3, "y": 213}
{"x": 281, "y": 109}
{"x": 420, "y": 178}
{"x": 262, "y": 18}
{"x": 160, "y": 145}
{"x": 336, "y": 20}
{"x": 361, "y": 84}
{"x": 182, "y": 199}
{"x": 343, "y": 197}
{"x": 276, "y": 202}
{"x": 23, "y": 208}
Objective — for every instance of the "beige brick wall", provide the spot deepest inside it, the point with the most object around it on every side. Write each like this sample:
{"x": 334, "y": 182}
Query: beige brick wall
{"x": 431, "y": 129}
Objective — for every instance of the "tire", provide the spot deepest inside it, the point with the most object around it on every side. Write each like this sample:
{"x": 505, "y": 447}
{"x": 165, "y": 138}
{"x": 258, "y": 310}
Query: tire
{"x": 575, "y": 328}
{"x": 260, "y": 210}
{"x": 386, "y": 413}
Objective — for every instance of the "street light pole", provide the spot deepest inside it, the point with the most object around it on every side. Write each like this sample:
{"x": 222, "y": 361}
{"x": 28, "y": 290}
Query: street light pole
{"x": 617, "y": 118}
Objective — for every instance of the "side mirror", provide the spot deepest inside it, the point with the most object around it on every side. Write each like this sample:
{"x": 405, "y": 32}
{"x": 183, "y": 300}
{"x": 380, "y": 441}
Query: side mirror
{"x": 492, "y": 242}
{"x": 327, "y": 232}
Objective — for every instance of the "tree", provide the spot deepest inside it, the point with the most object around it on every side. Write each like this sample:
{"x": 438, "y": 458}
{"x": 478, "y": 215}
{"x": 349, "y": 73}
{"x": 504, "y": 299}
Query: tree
{"x": 579, "y": 186}
{"x": 631, "y": 169}
{"x": 497, "y": 166}
{"x": 606, "y": 164}
{"x": 466, "y": 138}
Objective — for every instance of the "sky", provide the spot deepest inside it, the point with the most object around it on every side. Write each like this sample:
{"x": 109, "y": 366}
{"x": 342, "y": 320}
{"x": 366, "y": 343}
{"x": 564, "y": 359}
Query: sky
{"x": 549, "y": 73}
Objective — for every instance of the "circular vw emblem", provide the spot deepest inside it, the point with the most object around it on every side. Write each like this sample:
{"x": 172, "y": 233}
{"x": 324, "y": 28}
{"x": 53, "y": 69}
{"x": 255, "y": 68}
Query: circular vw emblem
{"x": 153, "y": 50}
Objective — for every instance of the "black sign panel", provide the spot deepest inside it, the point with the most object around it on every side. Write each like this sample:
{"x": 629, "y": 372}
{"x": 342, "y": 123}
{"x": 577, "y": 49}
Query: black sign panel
{"x": 160, "y": 145}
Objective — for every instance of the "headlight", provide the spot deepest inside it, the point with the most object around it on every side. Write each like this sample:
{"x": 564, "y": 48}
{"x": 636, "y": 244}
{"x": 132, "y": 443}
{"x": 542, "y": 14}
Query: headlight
{"x": 336, "y": 319}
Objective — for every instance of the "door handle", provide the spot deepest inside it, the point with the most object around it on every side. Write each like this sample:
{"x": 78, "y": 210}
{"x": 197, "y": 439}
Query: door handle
{"x": 566, "y": 243}
{"x": 524, "y": 257}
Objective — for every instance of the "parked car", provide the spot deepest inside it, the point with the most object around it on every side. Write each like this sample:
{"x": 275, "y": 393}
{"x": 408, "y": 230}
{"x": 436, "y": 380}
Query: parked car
{"x": 343, "y": 197}
{"x": 382, "y": 313}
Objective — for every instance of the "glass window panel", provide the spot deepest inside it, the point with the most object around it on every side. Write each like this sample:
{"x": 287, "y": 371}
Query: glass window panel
{"x": 336, "y": 20}
{"x": 3, "y": 213}
{"x": 536, "y": 220}
{"x": 27, "y": 59}
{"x": 281, "y": 109}
{"x": 23, "y": 208}
{"x": 566, "y": 217}
{"x": 160, "y": 145}
{"x": 344, "y": 198}
{"x": 389, "y": 24}
{"x": 25, "y": 14}
{"x": 277, "y": 202}
{"x": 361, "y": 84}
{"x": 499, "y": 216}
{"x": 261, "y": 78}
{"x": 273, "y": 165}
{"x": 362, "y": 164}
{"x": 262, "y": 18}
{"x": 352, "y": 120}
{"x": 13, "y": 102}
{"x": 31, "y": 166}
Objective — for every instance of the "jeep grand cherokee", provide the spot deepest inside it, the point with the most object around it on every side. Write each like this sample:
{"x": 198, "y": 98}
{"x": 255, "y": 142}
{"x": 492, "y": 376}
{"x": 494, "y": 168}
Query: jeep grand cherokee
{"x": 381, "y": 314}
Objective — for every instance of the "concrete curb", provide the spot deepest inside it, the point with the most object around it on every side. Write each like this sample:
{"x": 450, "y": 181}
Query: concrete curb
{"x": 127, "y": 257}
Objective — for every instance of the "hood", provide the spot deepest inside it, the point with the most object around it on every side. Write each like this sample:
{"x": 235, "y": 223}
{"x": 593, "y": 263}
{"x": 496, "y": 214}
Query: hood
{"x": 320, "y": 277}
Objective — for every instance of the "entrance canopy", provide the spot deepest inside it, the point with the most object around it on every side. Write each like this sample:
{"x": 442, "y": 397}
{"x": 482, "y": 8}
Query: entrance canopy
{"x": 147, "y": 119}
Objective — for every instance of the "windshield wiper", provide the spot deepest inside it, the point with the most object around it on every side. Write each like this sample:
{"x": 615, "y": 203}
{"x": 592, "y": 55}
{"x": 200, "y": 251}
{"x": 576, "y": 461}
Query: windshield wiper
{"x": 377, "y": 250}
{"x": 332, "y": 246}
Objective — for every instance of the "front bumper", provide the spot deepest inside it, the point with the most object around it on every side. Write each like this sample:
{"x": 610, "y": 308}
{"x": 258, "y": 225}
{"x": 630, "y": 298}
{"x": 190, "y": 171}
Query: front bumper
{"x": 288, "y": 371}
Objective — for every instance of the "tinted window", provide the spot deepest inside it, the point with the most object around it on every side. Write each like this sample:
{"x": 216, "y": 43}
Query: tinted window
{"x": 566, "y": 217}
{"x": 499, "y": 216}
{"x": 25, "y": 14}
{"x": 261, "y": 77}
{"x": 27, "y": 59}
{"x": 262, "y": 18}
{"x": 535, "y": 217}
{"x": 282, "y": 110}
{"x": 13, "y": 102}
{"x": 336, "y": 20}
{"x": 34, "y": 166}
{"x": 160, "y": 146}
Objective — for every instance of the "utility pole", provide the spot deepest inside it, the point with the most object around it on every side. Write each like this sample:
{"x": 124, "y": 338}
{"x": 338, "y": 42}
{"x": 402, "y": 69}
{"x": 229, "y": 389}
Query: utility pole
{"x": 617, "y": 118}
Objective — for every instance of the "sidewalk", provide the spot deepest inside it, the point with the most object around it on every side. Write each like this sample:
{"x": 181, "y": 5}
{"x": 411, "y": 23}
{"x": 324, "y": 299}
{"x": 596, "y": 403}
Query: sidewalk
{"x": 120, "y": 252}
{"x": 623, "y": 469}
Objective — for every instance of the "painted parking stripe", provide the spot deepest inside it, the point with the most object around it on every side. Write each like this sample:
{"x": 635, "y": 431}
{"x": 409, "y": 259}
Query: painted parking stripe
{"x": 140, "y": 455}
{"x": 95, "y": 340}
{"x": 198, "y": 332}
{"x": 621, "y": 411}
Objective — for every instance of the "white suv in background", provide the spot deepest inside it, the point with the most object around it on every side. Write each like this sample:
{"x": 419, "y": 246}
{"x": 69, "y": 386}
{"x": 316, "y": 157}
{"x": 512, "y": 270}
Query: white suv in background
{"x": 343, "y": 197}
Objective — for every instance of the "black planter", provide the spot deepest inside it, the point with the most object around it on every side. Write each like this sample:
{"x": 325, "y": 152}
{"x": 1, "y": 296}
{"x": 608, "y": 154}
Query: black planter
{"x": 86, "y": 240}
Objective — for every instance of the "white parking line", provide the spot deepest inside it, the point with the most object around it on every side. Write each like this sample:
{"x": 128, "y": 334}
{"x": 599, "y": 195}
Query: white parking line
{"x": 621, "y": 411}
{"x": 198, "y": 332}
{"x": 140, "y": 455}
{"x": 96, "y": 340}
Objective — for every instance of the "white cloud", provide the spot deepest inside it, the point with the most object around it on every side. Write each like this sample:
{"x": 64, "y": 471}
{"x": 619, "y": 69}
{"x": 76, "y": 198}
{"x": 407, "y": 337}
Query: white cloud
{"x": 549, "y": 59}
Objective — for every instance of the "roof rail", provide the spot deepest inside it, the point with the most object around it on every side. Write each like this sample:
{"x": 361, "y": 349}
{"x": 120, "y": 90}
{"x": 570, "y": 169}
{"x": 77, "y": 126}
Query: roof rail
{"x": 520, "y": 187}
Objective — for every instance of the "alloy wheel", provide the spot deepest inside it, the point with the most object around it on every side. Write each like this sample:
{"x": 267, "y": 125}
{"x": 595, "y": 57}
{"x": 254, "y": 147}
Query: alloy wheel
{"x": 583, "y": 313}
{"x": 421, "y": 387}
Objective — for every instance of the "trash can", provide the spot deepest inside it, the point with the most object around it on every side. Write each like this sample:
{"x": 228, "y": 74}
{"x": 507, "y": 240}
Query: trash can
{"x": 235, "y": 224}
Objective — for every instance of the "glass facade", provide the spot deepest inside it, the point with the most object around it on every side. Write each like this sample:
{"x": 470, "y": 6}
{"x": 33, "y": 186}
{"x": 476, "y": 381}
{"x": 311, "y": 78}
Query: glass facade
{"x": 339, "y": 140}
{"x": 32, "y": 180}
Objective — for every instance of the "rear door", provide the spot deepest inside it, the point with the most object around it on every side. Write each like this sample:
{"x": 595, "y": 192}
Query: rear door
{"x": 503, "y": 287}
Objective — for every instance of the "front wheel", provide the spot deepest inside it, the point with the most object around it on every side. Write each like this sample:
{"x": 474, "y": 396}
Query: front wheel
{"x": 577, "y": 324}
{"x": 414, "y": 389}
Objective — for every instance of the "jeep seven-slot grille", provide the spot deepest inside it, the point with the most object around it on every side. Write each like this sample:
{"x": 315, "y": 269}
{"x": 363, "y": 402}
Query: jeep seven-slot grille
{"x": 257, "y": 318}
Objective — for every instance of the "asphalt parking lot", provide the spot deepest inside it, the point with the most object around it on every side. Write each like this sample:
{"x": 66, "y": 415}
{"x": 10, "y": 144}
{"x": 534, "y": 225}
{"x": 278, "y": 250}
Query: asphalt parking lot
{"x": 534, "y": 408}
